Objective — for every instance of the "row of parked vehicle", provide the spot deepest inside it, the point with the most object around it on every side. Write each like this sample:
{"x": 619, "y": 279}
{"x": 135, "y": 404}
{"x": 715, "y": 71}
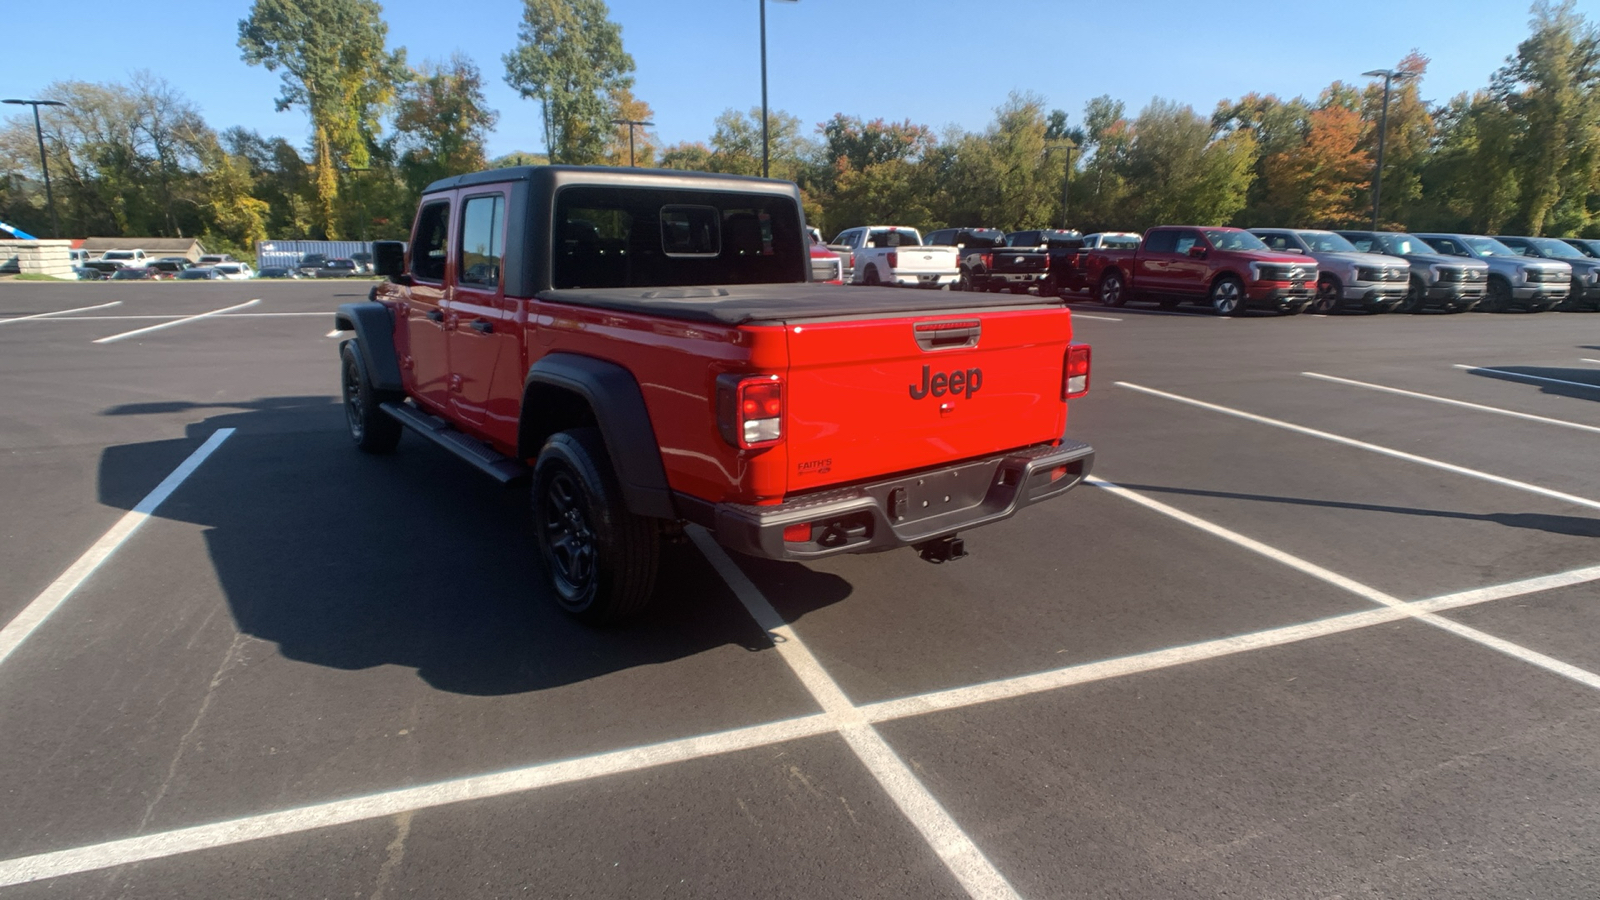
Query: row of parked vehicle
{"x": 136, "y": 265}
{"x": 1230, "y": 270}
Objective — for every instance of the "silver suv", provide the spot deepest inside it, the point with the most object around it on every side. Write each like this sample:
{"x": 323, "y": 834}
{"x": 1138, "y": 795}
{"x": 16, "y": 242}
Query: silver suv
{"x": 1347, "y": 278}
{"x": 1514, "y": 280}
{"x": 1449, "y": 283}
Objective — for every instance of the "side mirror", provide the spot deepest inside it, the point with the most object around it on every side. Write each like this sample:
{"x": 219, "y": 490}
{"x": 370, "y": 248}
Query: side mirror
{"x": 389, "y": 259}
{"x": 1197, "y": 252}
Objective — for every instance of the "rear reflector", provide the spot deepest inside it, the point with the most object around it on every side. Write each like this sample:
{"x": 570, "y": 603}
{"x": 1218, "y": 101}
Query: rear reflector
{"x": 1075, "y": 378}
{"x": 797, "y": 534}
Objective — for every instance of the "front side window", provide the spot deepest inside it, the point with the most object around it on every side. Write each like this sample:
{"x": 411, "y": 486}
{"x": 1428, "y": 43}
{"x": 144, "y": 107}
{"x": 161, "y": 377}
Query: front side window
{"x": 1187, "y": 240}
{"x": 1234, "y": 240}
{"x": 1161, "y": 242}
{"x": 482, "y": 241}
{"x": 429, "y": 242}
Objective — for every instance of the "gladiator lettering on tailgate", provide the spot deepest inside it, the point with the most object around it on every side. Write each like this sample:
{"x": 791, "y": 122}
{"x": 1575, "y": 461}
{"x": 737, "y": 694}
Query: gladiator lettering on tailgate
{"x": 954, "y": 383}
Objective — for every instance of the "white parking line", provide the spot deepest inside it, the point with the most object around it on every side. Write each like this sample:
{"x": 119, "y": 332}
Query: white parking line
{"x": 55, "y": 864}
{"x": 1425, "y": 615}
{"x": 1363, "y": 445}
{"x": 373, "y": 806}
{"x": 1588, "y": 360}
{"x": 59, "y": 312}
{"x": 334, "y": 333}
{"x": 205, "y": 315}
{"x": 1154, "y": 660}
{"x": 965, "y": 861}
{"x": 33, "y": 615}
{"x": 267, "y": 315}
{"x": 1446, "y": 400}
{"x": 1506, "y": 374}
{"x": 1079, "y": 315}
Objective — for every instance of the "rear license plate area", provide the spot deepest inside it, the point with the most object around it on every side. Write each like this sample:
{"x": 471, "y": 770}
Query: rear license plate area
{"x": 939, "y": 492}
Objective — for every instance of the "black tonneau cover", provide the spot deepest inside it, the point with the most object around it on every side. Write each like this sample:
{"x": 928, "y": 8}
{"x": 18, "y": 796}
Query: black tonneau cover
{"x": 743, "y": 304}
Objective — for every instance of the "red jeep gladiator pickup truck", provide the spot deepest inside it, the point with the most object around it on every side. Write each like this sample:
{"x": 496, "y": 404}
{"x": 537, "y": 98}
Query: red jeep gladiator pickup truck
{"x": 1228, "y": 269}
{"x": 649, "y": 347}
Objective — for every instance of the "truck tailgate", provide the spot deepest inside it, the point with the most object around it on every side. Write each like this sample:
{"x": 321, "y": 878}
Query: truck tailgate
{"x": 866, "y": 398}
{"x": 926, "y": 260}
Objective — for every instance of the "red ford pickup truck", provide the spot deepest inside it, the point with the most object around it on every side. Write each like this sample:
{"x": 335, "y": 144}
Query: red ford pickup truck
{"x": 1229, "y": 269}
{"x": 648, "y": 350}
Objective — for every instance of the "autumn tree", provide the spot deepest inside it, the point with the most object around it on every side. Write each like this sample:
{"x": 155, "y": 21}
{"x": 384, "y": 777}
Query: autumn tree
{"x": 630, "y": 145}
{"x": 334, "y": 63}
{"x": 1322, "y": 182}
{"x": 569, "y": 58}
{"x": 442, "y": 122}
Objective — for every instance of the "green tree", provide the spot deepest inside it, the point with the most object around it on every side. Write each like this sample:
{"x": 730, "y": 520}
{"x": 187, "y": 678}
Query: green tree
{"x": 1181, "y": 172}
{"x": 736, "y": 144}
{"x": 1551, "y": 84}
{"x": 1470, "y": 179}
{"x": 569, "y": 57}
{"x": 442, "y": 122}
{"x": 334, "y": 64}
{"x": 1003, "y": 178}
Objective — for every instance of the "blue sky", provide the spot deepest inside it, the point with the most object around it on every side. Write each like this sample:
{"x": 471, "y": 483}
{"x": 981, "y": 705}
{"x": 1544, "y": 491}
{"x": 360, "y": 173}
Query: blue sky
{"x": 931, "y": 61}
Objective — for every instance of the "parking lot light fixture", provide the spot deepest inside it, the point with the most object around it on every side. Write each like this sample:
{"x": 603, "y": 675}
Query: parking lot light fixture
{"x": 44, "y": 162}
{"x": 631, "y": 123}
{"x": 1389, "y": 76}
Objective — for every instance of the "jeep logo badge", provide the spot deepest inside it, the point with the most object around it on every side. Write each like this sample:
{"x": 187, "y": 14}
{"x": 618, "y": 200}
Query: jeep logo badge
{"x": 960, "y": 382}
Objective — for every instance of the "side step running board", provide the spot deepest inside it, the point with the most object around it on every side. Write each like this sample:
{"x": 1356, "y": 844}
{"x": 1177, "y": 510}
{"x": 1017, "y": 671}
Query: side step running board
{"x": 485, "y": 458}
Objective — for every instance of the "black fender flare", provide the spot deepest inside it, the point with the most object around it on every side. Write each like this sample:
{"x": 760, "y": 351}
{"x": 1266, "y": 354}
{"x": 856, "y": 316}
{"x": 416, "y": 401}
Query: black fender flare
{"x": 614, "y": 397}
{"x": 374, "y": 327}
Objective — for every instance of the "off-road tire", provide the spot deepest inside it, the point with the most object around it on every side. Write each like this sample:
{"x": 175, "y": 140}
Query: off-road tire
{"x": 600, "y": 559}
{"x": 372, "y": 429}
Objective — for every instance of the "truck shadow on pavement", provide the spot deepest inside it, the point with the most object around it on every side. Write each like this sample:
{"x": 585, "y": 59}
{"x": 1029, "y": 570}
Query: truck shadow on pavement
{"x": 353, "y": 561}
{"x": 1576, "y": 526}
{"x": 1580, "y": 390}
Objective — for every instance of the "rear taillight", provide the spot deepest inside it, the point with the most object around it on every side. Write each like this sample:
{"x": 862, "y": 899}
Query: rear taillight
{"x": 750, "y": 410}
{"x": 894, "y": 259}
{"x": 1047, "y": 262}
{"x": 1075, "y": 380}
{"x": 850, "y": 260}
{"x": 988, "y": 260}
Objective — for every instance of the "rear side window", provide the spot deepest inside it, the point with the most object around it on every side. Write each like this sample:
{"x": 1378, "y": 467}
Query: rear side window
{"x": 639, "y": 237}
{"x": 429, "y": 242}
{"x": 482, "y": 240}
{"x": 1276, "y": 241}
{"x": 1161, "y": 242}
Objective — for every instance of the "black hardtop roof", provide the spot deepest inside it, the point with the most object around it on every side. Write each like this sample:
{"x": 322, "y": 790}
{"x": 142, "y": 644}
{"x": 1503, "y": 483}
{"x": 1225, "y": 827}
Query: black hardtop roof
{"x": 558, "y": 175}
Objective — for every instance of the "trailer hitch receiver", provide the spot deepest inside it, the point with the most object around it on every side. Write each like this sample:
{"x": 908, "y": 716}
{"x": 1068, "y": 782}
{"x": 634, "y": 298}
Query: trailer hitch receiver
{"x": 941, "y": 550}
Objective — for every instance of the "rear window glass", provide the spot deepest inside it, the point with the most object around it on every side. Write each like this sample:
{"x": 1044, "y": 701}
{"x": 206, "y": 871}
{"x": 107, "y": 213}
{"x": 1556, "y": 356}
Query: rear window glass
{"x": 616, "y": 237}
{"x": 982, "y": 240}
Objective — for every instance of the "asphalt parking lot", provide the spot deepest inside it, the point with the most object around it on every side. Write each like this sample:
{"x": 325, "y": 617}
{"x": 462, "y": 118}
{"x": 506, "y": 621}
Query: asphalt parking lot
{"x": 1323, "y": 626}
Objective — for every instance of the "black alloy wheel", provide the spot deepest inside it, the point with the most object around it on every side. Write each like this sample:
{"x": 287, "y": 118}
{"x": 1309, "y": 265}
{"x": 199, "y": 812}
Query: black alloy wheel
{"x": 600, "y": 557}
{"x": 372, "y": 429}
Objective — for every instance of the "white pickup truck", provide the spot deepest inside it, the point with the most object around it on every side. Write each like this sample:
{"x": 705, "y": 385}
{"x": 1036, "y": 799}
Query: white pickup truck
{"x": 888, "y": 254}
{"x": 130, "y": 259}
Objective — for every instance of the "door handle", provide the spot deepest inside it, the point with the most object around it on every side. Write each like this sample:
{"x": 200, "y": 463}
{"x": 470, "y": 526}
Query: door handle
{"x": 482, "y": 326}
{"x": 436, "y": 315}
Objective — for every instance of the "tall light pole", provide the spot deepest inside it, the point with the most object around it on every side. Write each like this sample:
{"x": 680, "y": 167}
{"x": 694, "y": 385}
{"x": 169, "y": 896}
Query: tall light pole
{"x": 1066, "y": 186}
{"x": 1389, "y": 76}
{"x": 764, "y": 150}
{"x": 44, "y": 161}
{"x": 631, "y": 123}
